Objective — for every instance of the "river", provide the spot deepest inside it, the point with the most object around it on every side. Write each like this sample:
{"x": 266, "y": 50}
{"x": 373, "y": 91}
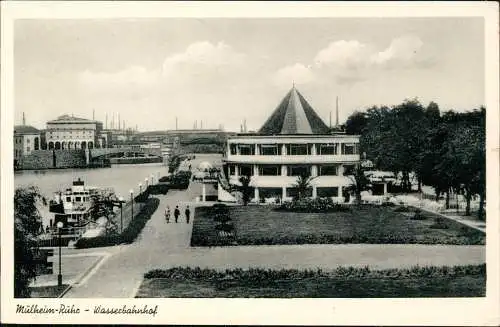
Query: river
{"x": 122, "y": 178}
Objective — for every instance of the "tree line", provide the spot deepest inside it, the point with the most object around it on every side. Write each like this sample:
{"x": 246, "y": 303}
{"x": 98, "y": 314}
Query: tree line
{"x": 443, "y": 150}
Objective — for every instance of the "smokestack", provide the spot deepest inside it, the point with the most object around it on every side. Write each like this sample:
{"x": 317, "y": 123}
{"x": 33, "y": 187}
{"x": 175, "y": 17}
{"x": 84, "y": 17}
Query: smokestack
{"x": 330, "y": 119}
{"x": 176, "y": 125}
{"x": 201, "y": 123}
{"x": 337, "y": 112}
{"x": 119, "y": 122}
{"x": 93, "y": 114}
{"x": 106, "y": 120}
{"x": 123, "y": 124}
{"x": 113, "y": 121}
{"x": 24, "y": 119}
{"x": 241, "y": 128}
{"x": 245, "y": 125}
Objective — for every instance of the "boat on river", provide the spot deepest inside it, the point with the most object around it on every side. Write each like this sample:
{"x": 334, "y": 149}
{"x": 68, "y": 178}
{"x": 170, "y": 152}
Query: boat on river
{"x": 74, "y": 207}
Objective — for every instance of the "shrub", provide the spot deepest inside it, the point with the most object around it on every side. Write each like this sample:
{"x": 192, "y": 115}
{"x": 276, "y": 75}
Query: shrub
{"x": 129, "y": 234}
{"x": 158, "y": 189}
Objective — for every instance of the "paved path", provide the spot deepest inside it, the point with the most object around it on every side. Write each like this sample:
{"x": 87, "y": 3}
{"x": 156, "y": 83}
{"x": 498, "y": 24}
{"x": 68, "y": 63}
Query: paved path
{"x": 163, "y": 245}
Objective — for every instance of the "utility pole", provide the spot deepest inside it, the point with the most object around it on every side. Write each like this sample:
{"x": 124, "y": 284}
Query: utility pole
{"x": 337, "y": 113}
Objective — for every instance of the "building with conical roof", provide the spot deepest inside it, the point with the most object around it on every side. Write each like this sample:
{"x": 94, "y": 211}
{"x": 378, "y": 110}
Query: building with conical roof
{"x": 293, "y": 141}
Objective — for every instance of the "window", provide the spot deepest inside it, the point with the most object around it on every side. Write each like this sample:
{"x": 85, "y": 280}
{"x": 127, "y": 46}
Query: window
{"x": 293, "y": 192}
{"x": 350, "y": 148}
{"x": 297, "y": 149}
{"x": 270, "y": 170}
{"x": 232, "y": 170}
{"x": 270, "y": 150}
{"x": 298, "y": 170}
{"x": 328, "y": 170}
{"x": 68, "y": 199}
{"x": 325, "y": 149}
{"x": 28, "y": 149}
{"x": 27, "y": 140}
{"x": 247, "y": 150}
{"x": 245, "y": 170}
{"x": 327, "y": 192}
{"x": 78, "y": 199}
{"x": 232, "y": 149}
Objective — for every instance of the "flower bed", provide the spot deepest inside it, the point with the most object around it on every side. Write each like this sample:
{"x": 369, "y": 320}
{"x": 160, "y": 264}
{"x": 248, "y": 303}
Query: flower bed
{"x": 313, "y": 205}
{"x": 429, "y": 281}
{"x": 364, "y": 224}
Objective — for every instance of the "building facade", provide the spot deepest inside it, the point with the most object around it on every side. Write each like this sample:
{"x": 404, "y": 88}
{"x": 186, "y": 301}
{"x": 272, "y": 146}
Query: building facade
{"x": 26, "y": 139}
{"x": 68, "y": 132}
{"x": 294, "y": 141}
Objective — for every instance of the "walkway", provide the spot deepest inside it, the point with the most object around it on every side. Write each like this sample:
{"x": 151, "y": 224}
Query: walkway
{"x": 163, "y": 245}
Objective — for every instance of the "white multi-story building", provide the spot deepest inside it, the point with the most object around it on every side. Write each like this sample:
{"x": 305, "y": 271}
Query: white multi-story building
{"x": 26, "y": 139}
{"x": 68, "y": 132}
{"x": 293, "y": 141}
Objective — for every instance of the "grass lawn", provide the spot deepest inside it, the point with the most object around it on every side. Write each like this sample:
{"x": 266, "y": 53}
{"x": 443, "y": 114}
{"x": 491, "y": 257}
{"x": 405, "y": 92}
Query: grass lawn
{"x": 259, "y": 225}
{"x": 430, "y": 282}
{"x": 47, "y": 291}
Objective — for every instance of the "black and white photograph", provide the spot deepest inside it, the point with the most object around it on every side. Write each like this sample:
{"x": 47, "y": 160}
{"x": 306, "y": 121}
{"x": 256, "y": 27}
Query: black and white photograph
{"x": 168, "y": 158}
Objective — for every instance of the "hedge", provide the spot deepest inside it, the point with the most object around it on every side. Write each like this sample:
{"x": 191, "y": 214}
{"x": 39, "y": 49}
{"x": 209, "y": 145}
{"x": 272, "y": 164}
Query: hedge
{"x": 130, "y": 233}
{"x": 257, "y": 275}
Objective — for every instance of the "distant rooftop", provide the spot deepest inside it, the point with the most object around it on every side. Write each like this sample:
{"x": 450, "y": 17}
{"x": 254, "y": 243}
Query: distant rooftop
{"x": 70, "y": 119}
{"x": 25, "y": 129}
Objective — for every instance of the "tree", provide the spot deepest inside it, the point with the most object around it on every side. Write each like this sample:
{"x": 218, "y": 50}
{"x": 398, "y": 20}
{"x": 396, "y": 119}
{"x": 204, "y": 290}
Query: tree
{"x": 245, "y": 189}
{"x": 359, "y": 180}
{"x": 303, "y": 185}
{"x": 27, "y": 226}
{"x": 356, "y": 123}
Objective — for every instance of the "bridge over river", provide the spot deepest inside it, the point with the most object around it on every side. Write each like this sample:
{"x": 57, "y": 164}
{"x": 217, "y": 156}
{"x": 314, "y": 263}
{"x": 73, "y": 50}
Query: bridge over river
{"x": 125, "y": 152}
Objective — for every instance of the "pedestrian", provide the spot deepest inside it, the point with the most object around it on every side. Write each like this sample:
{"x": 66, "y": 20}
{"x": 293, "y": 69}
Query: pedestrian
{"x": 176, "y": 213}
{"x": 167, "y": 214}
{"x": 187, "y": 212}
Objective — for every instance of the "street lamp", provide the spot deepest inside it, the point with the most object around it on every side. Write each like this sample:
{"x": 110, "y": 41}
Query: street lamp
{"x": 121, "y": 214}
{"x": 140, "y": 188}
{"x": 132, "y": 203}
{"x": 59, "y": 225}
{"x": 152, "y": 179}
{"x": 146, "y": 183}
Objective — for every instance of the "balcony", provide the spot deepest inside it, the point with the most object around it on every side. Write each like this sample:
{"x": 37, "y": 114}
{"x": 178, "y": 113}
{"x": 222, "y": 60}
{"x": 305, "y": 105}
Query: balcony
{"x": 291, "y": 159}
{"x": 289, "y": 181}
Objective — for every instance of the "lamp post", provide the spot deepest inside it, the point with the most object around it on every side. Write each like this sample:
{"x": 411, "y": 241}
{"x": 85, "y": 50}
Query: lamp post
{"x": 152, "y": 179}
{"x": 121, "y": 214}
{"x": 132, "y": 203}
{"x": 140, "y": 188}
{"x": 59, "y": 230}
{"x": 146, "y": 183}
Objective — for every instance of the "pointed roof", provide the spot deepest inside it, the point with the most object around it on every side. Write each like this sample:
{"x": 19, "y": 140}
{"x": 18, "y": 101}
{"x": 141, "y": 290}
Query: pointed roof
{"x": 294, "y": 115}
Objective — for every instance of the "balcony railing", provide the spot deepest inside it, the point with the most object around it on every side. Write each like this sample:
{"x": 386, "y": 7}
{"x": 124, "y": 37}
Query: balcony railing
{"x": 289, "y": 159}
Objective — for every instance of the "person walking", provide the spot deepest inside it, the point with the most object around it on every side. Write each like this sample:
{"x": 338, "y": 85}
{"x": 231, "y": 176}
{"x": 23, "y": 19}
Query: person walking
{"x": 187, "y": 212}
{"x": 176, "y": 213}
{"x": 167, "y": 214}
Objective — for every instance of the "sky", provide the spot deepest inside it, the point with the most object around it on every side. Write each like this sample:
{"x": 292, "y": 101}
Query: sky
{"x": 223, "y": 71}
